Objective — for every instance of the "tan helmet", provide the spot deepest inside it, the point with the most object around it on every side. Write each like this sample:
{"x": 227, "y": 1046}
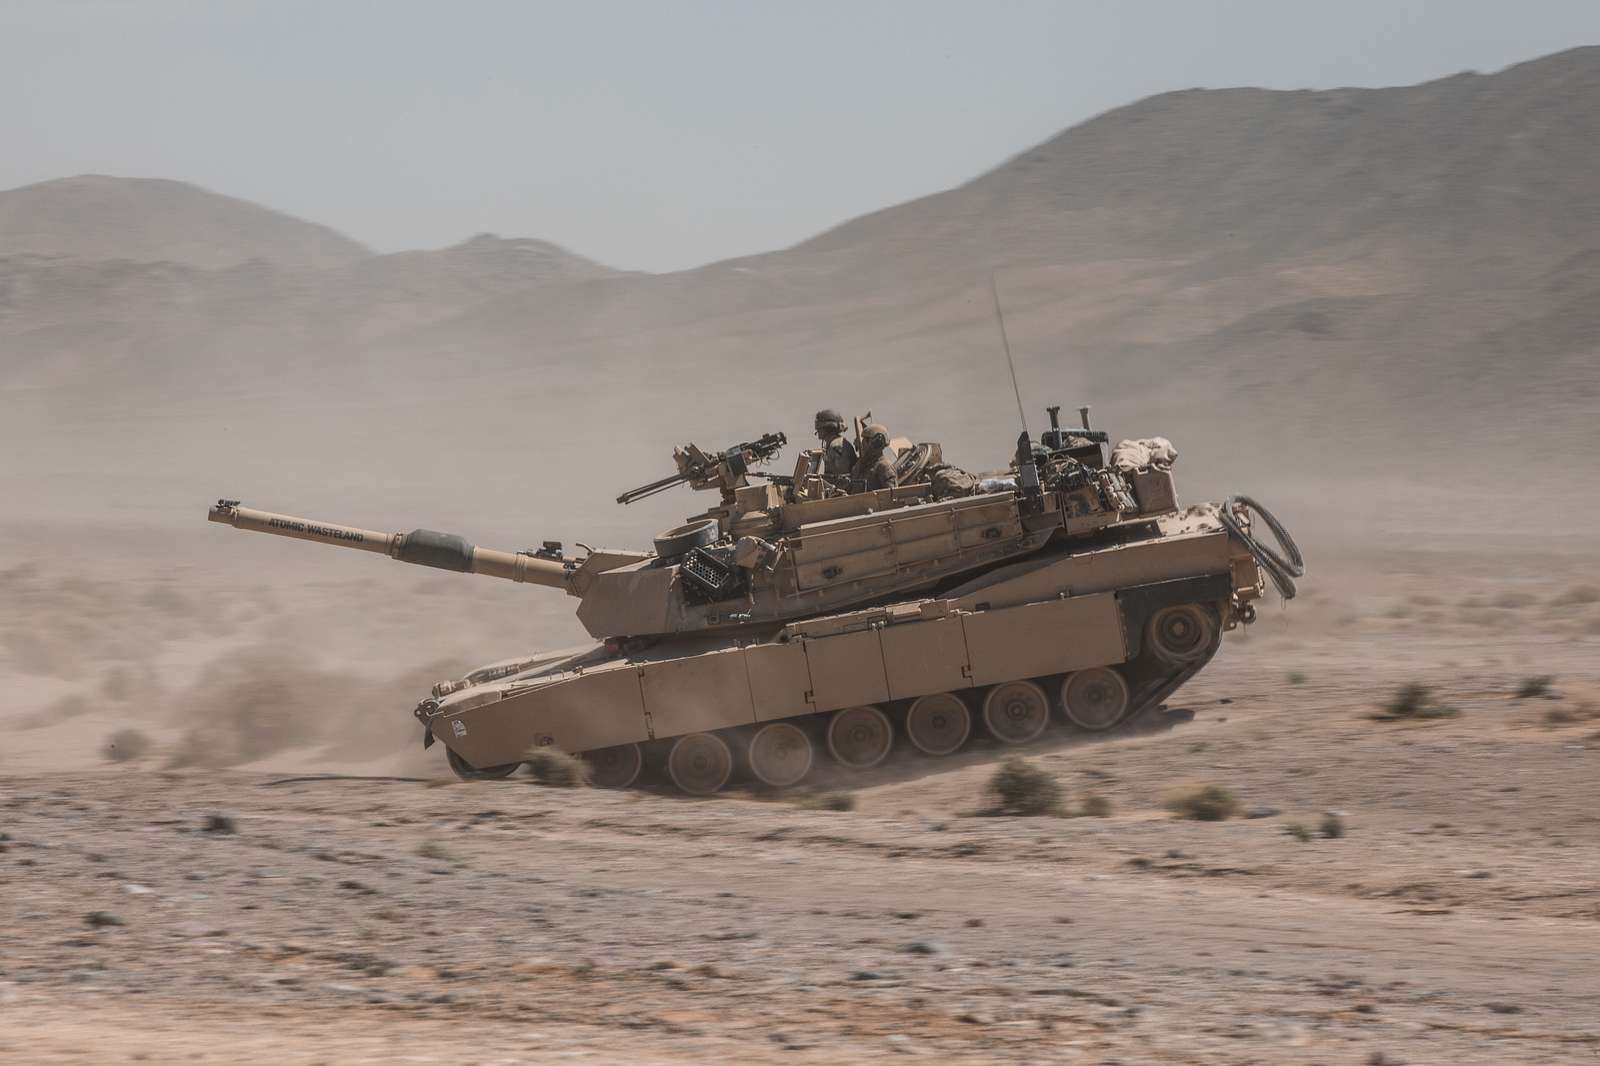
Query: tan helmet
{"x": 829, "y": 420}
{"x": 875, "y": 434}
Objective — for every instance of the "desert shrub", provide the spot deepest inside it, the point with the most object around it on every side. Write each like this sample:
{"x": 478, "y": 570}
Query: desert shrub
{"x": 1409, "y": 699}
{"x": 432, "y": 849}
{"x": 1416, "y": 701}
{"x": 826, "y": 801}
{"x": 1514, "y": 600}
{"x": 1204, "y": 803}
{"x": 1095, "y": 806}
{"x": 1577, "y": 595}
{"x": 1297, "y": 830}
{"x": 1297, "y": 678}
{"x": 1559, "y": 716}
{"x": 126, "y": 744}
{"x": 1021, "y": 788}
{"x": 555, "y": 768}
{"x": 1533, "y": 687}
{"x": 1332, "y": 826}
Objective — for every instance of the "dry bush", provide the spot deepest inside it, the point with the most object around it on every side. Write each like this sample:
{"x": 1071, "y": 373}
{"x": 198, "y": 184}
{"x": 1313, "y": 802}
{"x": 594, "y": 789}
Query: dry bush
{"x": 1095, "y": 806}
{"x": 1332, "y": 826}
{"x": 1297, "y": 678}
{"x": 1204, "y": 803}
{"x": 126, "y": 744}
{"x": 1513, "y": 600}
{"x": 1297, "y": 830}
{"x": 1534, "y": 687}
{"x": 1577, "y": 596}
{"x": 432, "y": 849}
{"x": 826, "y": 801}
{"x": 1021, "y": 788}
{"x": 1415, "y": 701}
{"x": 555, "y": 768}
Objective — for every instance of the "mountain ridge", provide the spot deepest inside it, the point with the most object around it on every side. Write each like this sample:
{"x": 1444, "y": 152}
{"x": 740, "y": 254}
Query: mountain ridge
{"x": 1243, "y": 270}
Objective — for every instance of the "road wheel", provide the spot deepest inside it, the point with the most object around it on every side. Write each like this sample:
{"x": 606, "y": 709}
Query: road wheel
{"x": 1182, "y": 634}
{"x": 699, "y": 763}
{"x": 938, "y": 724}
{"x": 1095, "y": 699}
{"x": 1016, "y": 712}
{"x": 780, "y": 754}
{"x": 467, "y": 772}
{"x": 860, "y": 737}
{"x": 614, "y": 767}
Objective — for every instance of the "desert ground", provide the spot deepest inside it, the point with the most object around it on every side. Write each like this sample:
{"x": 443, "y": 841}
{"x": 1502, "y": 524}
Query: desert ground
{"x": 281, "y": 874}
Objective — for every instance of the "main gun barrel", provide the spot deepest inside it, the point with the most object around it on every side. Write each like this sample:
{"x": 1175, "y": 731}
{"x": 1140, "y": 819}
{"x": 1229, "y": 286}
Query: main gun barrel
{"x": 421, "y": 547}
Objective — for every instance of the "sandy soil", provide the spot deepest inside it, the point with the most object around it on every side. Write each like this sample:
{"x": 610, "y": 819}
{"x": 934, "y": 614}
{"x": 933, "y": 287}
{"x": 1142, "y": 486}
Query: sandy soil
{"x": 353, "y": 920}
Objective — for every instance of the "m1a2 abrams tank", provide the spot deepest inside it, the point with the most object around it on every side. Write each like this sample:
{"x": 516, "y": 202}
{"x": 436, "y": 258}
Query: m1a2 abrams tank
{"x": 796, "y": 616}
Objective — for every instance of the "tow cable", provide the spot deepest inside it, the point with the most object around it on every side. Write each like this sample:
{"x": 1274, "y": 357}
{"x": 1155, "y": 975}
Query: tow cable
{"x": 1282, "y": 566}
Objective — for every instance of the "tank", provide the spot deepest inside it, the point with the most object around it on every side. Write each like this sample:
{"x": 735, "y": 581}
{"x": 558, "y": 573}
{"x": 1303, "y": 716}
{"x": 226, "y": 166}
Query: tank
{"x": 801, "y": 618}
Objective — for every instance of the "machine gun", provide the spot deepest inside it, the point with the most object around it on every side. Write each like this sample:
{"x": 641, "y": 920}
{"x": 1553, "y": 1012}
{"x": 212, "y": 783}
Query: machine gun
{"x": 723, "y": 470}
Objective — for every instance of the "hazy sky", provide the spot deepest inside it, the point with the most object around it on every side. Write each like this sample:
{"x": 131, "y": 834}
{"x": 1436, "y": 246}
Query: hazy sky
{"x": 657, "y": 135}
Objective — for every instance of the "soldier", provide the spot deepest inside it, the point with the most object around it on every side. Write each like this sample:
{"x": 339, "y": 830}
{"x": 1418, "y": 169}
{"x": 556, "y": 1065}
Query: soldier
{"x": 838, "y": 454}
{"x": 875, "y": 467}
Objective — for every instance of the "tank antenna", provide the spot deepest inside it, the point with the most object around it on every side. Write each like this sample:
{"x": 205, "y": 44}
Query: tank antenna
{"x": 994, "y": 289}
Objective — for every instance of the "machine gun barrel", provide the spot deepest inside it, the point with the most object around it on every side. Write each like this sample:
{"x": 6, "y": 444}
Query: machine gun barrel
{"x": 726, "y": 468}
{"x": 421, "y": 547}
{"x": 651, "y": 489}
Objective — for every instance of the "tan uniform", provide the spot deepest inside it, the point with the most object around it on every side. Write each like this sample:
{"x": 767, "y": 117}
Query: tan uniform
{"x": 876, "y": 470}
{"x": 838, "y": 457}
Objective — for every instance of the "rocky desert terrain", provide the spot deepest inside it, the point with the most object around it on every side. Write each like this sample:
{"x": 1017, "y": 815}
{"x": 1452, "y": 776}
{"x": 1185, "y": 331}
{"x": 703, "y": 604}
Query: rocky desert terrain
{"x": 279, "y": 885}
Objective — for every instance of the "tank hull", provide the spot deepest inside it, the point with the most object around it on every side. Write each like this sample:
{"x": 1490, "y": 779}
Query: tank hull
{"x": 1042, "y": 620}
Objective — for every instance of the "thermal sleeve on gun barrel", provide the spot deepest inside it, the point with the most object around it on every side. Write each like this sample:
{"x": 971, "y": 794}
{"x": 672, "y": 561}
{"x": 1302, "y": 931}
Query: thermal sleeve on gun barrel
{"x": 446, "y": 551}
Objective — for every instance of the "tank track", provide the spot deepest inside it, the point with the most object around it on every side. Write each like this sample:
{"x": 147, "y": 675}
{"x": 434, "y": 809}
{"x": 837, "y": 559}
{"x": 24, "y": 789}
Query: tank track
{"x": 1150, "y": 693}
{"x": 1150, "y": 680}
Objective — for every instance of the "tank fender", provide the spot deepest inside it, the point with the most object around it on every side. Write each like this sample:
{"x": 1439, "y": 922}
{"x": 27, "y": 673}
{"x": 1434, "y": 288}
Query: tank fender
{"x": 1139, "y": 602}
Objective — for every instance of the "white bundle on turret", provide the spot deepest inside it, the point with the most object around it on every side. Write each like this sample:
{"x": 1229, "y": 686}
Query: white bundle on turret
{"x": 1131, "y": 455}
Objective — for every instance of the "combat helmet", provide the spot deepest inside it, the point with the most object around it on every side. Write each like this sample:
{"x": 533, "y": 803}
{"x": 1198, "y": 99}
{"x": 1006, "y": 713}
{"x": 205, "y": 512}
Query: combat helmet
{"x": 829, "y": 419}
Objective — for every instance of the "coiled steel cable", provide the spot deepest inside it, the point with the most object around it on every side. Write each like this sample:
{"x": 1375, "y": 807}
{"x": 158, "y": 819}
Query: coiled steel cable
{"x": 1282, "y": 568}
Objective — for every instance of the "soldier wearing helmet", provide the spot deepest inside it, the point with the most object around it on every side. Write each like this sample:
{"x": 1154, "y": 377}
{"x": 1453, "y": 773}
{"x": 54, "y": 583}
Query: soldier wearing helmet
{"x": 875, "y": 467}
{"x": 838, "y": 454}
